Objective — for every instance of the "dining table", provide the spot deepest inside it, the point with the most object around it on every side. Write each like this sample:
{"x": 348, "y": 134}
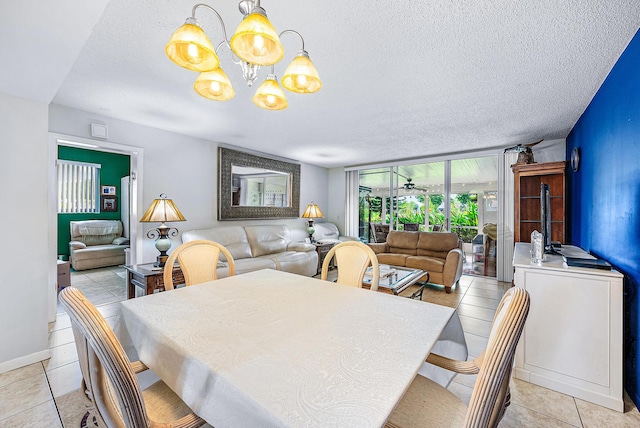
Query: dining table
{"x": 274, "y": 349}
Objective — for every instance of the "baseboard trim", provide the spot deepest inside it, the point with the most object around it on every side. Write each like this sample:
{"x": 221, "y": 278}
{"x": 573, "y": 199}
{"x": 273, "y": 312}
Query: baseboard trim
{"x": 24, "y": 361}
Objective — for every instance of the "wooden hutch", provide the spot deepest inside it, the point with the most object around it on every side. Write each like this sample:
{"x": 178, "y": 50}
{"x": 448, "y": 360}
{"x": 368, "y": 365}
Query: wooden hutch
{"x": 527, "y": 180}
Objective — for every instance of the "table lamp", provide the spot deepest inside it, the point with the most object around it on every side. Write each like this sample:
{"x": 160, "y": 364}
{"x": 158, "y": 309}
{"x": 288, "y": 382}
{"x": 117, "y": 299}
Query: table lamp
{"x": 162, "y": 210}
{"x": 311, "y": 212}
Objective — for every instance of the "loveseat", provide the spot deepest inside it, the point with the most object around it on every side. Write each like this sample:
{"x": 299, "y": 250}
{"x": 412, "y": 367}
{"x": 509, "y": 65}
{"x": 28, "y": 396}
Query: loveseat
{"x": 96, "y": 243}
{"x": 260, "y": 247}
{"x": 328, "y": 233}
{"x": 438, "y": 253}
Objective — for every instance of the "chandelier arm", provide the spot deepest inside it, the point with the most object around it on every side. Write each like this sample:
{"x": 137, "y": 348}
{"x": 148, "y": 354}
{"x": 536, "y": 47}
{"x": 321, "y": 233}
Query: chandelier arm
{"x": 237, "y": 61}
{"x": 224, "y": 29}
{"x": 224, "y": 42}
{"x": 293, "y": 32}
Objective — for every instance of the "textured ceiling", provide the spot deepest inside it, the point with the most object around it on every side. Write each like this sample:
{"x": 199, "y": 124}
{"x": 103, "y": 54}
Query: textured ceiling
{"x": 401, "y": 79}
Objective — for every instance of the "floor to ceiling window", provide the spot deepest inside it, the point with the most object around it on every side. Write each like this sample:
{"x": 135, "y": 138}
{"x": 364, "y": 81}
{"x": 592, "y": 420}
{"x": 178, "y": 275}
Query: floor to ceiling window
{"x": 454, "y": 195}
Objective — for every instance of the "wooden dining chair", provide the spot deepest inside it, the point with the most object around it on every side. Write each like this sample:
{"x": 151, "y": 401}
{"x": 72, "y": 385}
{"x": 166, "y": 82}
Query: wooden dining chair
{"x": 411, "y": 227}
{"x": 379, "y": 232}
{"x": 352, "y": 260}
{"x": 427, "y": 404}
{"x": 199, "y": 262}
{"x": 109, "y": 382}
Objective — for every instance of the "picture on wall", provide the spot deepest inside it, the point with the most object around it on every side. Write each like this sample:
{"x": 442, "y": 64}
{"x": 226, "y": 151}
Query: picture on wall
{"x": 109, "y": 204}
{"x": 108, "y": 190}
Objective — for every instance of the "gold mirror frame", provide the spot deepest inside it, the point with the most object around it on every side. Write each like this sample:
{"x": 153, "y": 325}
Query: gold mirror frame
{"x": 226, "y": 211}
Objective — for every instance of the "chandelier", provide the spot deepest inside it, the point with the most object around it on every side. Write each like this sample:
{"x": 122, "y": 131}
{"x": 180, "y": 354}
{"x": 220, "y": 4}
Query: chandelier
{"x": 254, "y": 44}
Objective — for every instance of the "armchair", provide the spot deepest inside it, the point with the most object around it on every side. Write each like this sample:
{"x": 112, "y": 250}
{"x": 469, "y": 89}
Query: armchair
{"x": 96, "y": 243}
{"x": 328, "y": 233}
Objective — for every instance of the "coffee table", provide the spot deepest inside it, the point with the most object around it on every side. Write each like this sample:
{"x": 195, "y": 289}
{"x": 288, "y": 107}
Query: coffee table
{"x": 396, "y": 279}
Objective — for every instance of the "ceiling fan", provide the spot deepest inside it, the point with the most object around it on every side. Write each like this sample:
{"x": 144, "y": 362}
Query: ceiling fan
{"x": 410, "y": 185}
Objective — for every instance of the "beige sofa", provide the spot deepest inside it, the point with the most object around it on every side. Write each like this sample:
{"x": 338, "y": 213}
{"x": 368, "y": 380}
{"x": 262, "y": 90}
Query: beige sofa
{"x": 439, "y": 253}
{"x": 260, "y": 247}
{"x": 96, "y": 243}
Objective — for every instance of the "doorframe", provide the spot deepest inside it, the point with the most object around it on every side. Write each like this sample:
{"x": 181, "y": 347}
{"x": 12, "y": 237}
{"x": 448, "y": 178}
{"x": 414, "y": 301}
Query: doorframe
{"x": 135, "y": 172}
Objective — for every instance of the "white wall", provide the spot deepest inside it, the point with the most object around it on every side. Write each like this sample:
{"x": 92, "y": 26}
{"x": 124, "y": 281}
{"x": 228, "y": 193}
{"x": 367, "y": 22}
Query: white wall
{"x": 185, "y": 168}
{"x": 550, "y": 151}
{"x": 337, "y": 194}
{"x": 25, "y": 251}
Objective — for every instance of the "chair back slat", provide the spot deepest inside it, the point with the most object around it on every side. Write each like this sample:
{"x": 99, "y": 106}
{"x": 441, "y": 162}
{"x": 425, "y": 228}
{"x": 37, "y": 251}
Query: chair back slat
{"x": 491, "y": 391}
{"x": 199, "y": 262}
{"x": 111, "y": 383}
{"x": 352, "y": 260}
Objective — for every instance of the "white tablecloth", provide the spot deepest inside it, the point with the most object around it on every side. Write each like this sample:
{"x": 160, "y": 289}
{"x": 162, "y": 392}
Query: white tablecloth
{"x": 269, "y": 348}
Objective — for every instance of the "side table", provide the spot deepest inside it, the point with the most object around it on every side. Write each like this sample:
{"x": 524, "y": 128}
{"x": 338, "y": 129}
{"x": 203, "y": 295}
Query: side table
{"x": 322, "y": 250}
{"x": 148, "y": 278}
{"x": 64, "y": 274}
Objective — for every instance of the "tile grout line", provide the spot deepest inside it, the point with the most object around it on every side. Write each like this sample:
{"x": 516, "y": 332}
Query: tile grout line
{"x": 44, "y": 372}
{"x": 548, "y": 416}
{"x": 55, "y": 403}
{"x": 578, "y": 410}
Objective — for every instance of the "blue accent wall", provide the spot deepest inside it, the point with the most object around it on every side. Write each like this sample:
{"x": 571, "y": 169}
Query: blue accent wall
{"x": 604, "y": 195}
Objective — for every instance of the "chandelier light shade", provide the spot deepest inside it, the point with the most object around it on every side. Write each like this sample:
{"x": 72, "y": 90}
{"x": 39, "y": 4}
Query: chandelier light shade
{"x": 189, "y": 47}
{"x": 255, "y": 44}
{"x": 214, "y": 85}
{"x": 301, "y": 75}
{"x": 256, "y": 41}
{"x": 270, "y": 95}
{"x": 161, "y": 211}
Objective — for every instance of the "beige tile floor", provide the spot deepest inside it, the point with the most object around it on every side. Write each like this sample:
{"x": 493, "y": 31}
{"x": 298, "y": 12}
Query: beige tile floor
{"x": 46, "y": 394}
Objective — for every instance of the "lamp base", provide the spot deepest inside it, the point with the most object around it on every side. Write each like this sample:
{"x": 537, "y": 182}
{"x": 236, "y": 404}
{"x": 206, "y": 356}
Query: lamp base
{"x": 311, "y": 230}
{"x": 163, "y": 242}
{"x": 161, "y": 260}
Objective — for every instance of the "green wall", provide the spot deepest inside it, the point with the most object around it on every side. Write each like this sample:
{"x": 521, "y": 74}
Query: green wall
{"x": 113, "y": 167}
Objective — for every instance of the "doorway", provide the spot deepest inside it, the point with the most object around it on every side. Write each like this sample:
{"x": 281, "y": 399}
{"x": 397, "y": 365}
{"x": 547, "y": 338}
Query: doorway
{"x": 133, "y": 208}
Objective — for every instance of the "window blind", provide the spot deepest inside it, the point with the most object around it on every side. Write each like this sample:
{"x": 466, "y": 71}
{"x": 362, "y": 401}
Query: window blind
{"x": 78, "y": 184}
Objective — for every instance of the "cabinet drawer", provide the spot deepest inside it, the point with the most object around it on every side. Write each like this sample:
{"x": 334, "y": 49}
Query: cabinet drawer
{"x": 64, "y": 280}
{"x": 64, "y": 274}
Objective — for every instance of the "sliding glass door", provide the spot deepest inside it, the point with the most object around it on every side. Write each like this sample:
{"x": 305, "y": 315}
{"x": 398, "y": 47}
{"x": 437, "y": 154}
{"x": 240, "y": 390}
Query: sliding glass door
{"x": 456, "y": 195}
{"x": 473, "y": 207}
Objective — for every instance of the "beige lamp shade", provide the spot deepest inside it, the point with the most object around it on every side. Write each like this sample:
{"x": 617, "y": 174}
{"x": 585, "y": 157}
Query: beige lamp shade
{"x": 189, "y": 47}
{"x": 256, "y": 41}
{"x": 301, "y": 75}
{"x": 214, "y": 85}
{"x": 162, "y": 210}
{"x": 270, "y": 95}
{"x": 312, "y": 211}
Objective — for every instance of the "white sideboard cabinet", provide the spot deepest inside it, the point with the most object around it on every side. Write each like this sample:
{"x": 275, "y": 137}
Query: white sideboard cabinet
{"x": 572, "y": 340}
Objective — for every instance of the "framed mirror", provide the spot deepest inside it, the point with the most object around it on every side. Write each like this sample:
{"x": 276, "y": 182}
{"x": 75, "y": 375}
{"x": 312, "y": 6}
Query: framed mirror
{"x": 255, "y": 187}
